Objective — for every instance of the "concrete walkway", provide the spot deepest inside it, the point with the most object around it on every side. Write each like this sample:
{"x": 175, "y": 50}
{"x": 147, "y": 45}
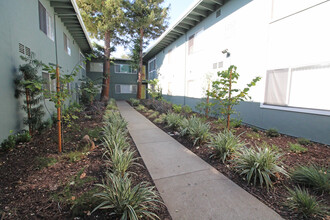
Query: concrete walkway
{"x": 190, "y": 188}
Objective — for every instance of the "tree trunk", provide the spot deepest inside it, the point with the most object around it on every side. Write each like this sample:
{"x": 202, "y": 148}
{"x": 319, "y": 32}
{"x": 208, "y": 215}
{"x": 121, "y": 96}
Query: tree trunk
{"x": 140, "y": 66}
{"x": 106, "y": 68}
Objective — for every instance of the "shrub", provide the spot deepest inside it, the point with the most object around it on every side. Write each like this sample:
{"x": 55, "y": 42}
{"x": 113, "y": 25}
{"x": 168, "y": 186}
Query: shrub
{"x": 258, "y": 164}
{"x": 121, "y": 160}
{"x": 224, "y": 145}
{"x": 235, "y": 123}
{"x": 150, "y": 111}
{"x": 126, "y": 201}
{"x": 297, "y": 148}
{"x": 301, "y": 202}
{"x": 313, "y": 176}
{"x": 198, "y": 130}
{"x": 160, "y": 119}
{"x": 177, "y": 108}
{"x": 141, "y": 108}
{"x": 134, "y": 102}
{"x": 303, "y": 141}
{"x": 272, "y": 132}
{"x": 88, "y": 91}
{"x": 117, "y": 140}
{"x": 154, "y": 115}
{"x": 23, "y": 137}
{"x": 9, "y": 142}
{"x": 253, "y": 135}
{"x": 173, "y": 120}
{"x": 112, "y": 104}
{"x": 187, "y": 109}
{"x": 255, "y": 129}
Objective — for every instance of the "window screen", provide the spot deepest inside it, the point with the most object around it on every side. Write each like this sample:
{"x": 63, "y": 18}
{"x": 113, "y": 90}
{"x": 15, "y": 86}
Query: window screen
{"x": 125, "y": 89}
{"x": 42, "y": 18}
{"x": 276, "y": 87}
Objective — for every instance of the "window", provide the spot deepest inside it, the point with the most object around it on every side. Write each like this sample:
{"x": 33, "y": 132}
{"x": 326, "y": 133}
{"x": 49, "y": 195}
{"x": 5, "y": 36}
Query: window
{"x": 49, "y": 84}
{"x": 124, "y": 68}
{"x": 191, "y": 44}
{"x": 46, "y": 22}
{"x": 195, "y": 42}
{"x": 152, "y": 70}
{"x": 125, "y": 89}
{"x": 96, "y": 67}
{"x": 300, "y": 87}
{"x": 66, "y": 44}
{"x": 169, "y": 56}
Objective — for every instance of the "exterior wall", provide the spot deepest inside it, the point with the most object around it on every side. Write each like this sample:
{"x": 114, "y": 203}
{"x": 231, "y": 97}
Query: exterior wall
{"x": 19, "y": 22}
{"x": 259, "y": 38}
{"x": 115, "y": 78}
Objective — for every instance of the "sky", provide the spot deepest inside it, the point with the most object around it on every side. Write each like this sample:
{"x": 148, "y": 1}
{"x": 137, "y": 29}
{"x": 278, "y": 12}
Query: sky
{"x": 177, "y": 8}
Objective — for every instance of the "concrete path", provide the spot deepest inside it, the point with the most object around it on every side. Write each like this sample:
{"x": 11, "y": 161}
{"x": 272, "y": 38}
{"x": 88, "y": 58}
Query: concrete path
{"x": 190, "y": 188}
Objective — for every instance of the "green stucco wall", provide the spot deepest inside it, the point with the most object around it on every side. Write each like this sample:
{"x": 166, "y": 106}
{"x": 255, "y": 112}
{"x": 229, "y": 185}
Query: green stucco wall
{"x": 19, "y": 22}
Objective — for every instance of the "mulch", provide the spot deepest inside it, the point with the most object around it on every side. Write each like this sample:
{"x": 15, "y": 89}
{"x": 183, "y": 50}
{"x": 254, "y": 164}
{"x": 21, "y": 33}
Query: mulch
{"x": 27, "y": 192}
{"x": 275, "y": 198}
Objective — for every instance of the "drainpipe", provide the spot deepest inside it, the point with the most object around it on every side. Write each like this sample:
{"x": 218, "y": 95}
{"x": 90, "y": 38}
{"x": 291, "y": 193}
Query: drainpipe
{"x": 185, "y": 70}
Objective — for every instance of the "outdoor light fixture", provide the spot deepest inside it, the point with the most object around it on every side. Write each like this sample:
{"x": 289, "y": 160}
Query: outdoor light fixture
{"x": 226, "y": 52}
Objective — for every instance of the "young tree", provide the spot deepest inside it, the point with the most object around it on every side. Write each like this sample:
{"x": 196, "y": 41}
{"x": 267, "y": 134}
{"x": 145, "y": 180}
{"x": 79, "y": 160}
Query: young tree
{"x": 227, "y": 96}
{"x": 147, "y": 20}
{"x": 104, "y": 20}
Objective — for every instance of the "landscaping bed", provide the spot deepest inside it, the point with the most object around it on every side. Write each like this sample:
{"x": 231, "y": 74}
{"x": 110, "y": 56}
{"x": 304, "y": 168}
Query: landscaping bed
{"x": 292, "y": 156}
{"x": 39, "y": 183}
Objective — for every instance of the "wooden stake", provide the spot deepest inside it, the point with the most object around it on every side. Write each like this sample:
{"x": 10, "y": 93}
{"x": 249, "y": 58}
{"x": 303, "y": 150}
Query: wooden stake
{"x": 58, "y": 110}
{"x": 228, "y": 113}
{"x": 207, "y": 101}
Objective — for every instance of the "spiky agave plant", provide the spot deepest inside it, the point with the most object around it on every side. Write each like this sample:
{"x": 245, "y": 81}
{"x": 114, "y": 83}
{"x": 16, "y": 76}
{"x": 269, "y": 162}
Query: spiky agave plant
{"x": 125, "y": 200}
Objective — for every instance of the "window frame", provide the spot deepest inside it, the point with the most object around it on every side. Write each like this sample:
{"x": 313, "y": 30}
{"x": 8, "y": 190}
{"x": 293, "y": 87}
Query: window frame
{"x": 119, "y": 64}
{"x": 46, "y": 21}
{"x": 131, "y": 88}
{"x": 154, "y": 70}
{"x": 66, "y": 45}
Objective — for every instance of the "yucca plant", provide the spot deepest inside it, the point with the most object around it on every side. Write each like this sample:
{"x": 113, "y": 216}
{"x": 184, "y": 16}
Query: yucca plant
{"x": 224, "y": 145}
{"x": 260, "y": 164}
{"x": 121, "y": 160}
{"x": 312, "y": 176}
{"x": 141, "y": 108}
{"x": 154, "y": 115}
{"x": 134, "y": 102}
{"x": 198, "y": 130}
{"x": 125, "y": 200}
{"x": 184, "y": 127}
{"x": 173, "y": 120}
{"x": 117, "y": 140}
{"x": 160, "y": 118}
{"x": 303, "y": 203}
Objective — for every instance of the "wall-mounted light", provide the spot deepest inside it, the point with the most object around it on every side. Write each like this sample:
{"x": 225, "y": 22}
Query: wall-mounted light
{"x": 226, "y": 52}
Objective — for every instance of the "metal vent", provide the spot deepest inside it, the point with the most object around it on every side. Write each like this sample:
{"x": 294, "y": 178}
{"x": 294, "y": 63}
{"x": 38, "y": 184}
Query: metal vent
{"x": 214, "y": 65}
{"x": 220, "y": 64}
{"x": 27, "y": 51}
{"x": 218, "y": 13}
{"x": 21, "y": 48}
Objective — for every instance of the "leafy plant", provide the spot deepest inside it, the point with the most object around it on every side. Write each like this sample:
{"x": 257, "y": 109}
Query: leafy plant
{"x": 134, "y": 102}
{"x": 154, "y": 115}
{"x": 160, "y": 118}
{"x": 117, "y": 140}
{"x": 154, "y": 90}
{"x": 303, "y": 141}
{"x": 177, "y": 108}
{"x": 253, "y": 135}
{"x": 121, "y": 160}
{"x": 227, "y": 96}
{"x": 303, "y": 203}
{"x": 195, "y": 128}
{"x": 313, "y": 176}
{"x": 187, "y": 109}
{"x": 297, "y": 148}
{"x": 235, "y": 123}
{"x": 224, "y": 145}
{"x": 125, "y": 200}
{"x": 9, "y": 142}
{"x": 173, "y": 120}
{"x": 69, "y": 115}
{"x": 23, "y": 137}
{"x": 88, "y": 91}
{"x": 43, "y": 162}
{"x": 141, "y": 108}
{"x": 260, "y": 164}
{"x": 272, "y": 132}
{"x": 29, "y": 84}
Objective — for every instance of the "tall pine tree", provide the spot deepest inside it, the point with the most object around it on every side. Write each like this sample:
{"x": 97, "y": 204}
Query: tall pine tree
{"x": 147, "y": 20}
{"x": 104, "y": 20}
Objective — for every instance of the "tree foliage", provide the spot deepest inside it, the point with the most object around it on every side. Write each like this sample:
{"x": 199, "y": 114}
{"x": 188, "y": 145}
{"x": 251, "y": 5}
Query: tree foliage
{"x": 222, "y": 90}
{"x": 29, "y": 84}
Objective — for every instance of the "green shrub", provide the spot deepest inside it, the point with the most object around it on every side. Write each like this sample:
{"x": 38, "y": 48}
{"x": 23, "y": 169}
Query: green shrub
{"x": 134, "y": 102}
{"x": 141, "y": 108}
{"x": 177, "y": 108}
{"x": 187, "y": 109}
{"x": 235, "y": 123}
{"x": 121, "y": 160}
{"x": 272, "y": 132}
{"x": 173, "y": 120}
{"x": 23, "y": 137}
{"x": 258, "y": 164}
{"x": 255, "y": 129}
{"x": 253, "y": 135}
{"x": 43, "y": 162}
{"x": 154, "y": 115}
{"x": 9, "y": 142}
{"x": 303, "y": 203}
{"x": 112, "y": 105}
{"x": 303, "y": 141}
{"x": 313, "y": 176}
{"x": 198, "y": 130}
{"x": 160, "y": 119}
{"x": 117, "y": 140}
{"x": 125, "y": 200}
{"x": 150, "y": 111}
{"x": 297, "y": 148}
{"x": 224, "y": 145}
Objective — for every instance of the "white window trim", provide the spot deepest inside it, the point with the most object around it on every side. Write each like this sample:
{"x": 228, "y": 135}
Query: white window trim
{"x": 296, "y": 109}
{"x": 68, "y": 46}
{"x": 117, "y": 64}
{"x": 125, "y": 85}
{"x": 49, "y": 29}
{"x": 155, "y": 70}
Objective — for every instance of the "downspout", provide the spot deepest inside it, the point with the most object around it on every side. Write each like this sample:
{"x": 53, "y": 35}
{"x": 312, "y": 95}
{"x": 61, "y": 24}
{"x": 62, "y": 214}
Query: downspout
{"x": 185, "y": 70}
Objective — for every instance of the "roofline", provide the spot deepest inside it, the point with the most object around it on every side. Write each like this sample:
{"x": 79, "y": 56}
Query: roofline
{"x": 81, "y": 22}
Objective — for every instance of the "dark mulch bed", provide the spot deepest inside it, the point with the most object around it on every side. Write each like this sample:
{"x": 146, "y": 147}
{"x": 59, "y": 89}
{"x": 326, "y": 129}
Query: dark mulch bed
{"x": 317, "y": 154}
{"x": 30, "y": 192}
